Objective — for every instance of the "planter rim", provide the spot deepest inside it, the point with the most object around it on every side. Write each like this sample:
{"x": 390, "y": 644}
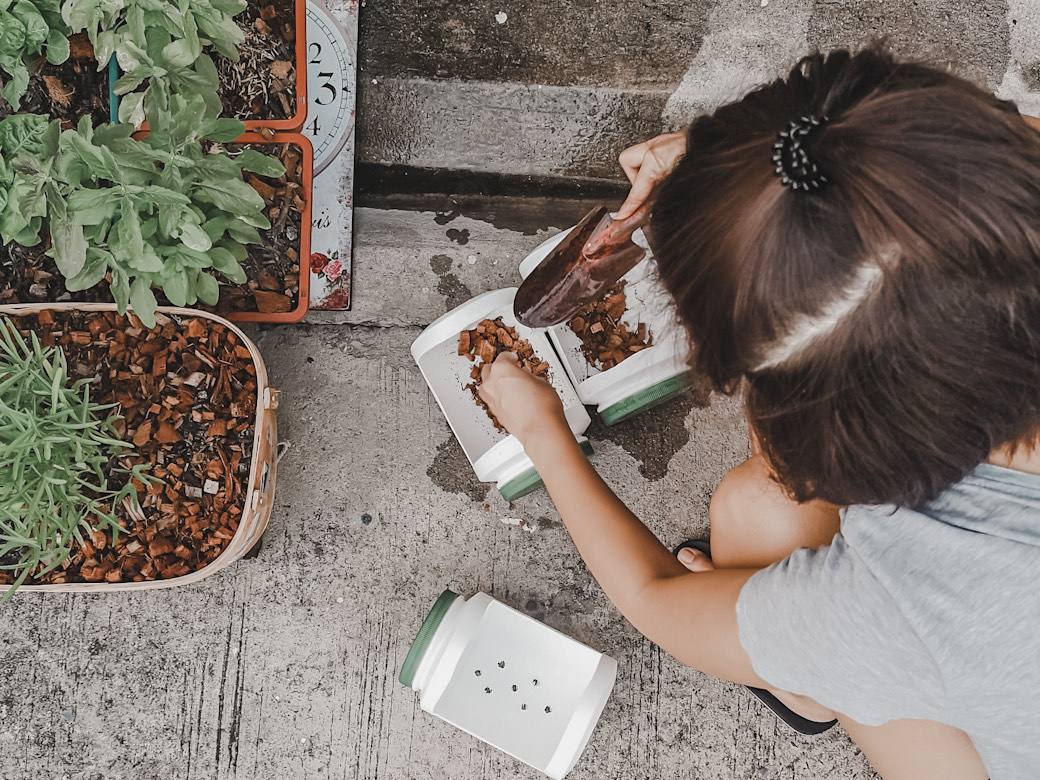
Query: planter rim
{"x": 245, "y": 537}
{"x": 307, "y": 161}
{"x": 297, "y": 120}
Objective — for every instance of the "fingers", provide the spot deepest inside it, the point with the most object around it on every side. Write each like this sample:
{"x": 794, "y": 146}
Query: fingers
{"x": 695, "y": 560}
{"x": 632, "y": 158}
{"x": 503, "y": 358}
{"x": 641, "y": 189}
{"x": 645, "y": 165}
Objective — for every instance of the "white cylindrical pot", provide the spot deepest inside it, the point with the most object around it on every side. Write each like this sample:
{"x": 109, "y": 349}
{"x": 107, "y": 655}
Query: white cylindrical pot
{"x": 647, "y": 378}
{"x": 509, "y": 680}
{"x": 496, "y": 456}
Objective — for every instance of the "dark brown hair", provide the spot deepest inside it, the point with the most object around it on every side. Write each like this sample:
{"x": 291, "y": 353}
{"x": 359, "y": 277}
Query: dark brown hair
{"x": 887, "y": 327}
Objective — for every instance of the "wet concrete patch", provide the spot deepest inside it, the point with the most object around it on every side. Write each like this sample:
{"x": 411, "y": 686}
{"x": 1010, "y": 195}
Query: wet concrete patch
{"x": 451, "y": 471}
{"x": 655, "y": 436}
{"x": 448, "y": 284}
{"x": 460, "y": 237}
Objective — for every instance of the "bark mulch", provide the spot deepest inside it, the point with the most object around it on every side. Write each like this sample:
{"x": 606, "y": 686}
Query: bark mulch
{"x": 605, "y": 339}
{"x": 187, "y": 391}
{"x": 487, "y": 341}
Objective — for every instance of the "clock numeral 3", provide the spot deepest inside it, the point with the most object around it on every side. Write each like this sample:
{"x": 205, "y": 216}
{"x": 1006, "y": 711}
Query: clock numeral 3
{"x": 326, "y": 86}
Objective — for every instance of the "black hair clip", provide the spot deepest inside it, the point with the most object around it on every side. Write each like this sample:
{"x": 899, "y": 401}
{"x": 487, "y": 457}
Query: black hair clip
{"x": 793, "y": 164}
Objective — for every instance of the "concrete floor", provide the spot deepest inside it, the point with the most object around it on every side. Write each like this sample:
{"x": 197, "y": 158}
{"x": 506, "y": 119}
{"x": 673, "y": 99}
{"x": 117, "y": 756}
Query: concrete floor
{"x": 285, "y": 665}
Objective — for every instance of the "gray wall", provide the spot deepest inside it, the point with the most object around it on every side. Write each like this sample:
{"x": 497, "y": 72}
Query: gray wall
{"x": 560, "y": 87}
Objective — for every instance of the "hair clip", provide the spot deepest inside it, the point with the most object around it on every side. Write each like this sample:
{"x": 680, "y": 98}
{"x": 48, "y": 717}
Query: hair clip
{"x": 793, "y": 164}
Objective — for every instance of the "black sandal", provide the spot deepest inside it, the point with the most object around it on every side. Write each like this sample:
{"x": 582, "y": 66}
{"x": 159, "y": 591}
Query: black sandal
{"x": 785, "y": 713}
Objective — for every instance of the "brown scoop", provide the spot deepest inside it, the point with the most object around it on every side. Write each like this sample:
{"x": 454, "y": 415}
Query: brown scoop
{"x": 596, "y": 253}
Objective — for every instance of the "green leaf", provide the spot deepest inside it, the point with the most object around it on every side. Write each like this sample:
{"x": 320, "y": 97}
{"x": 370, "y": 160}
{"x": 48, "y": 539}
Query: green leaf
{"x": 57, "y": 47}
{"x": 194, "y": 237}
{"x": 147, "y": 262}
{"x": 208, "y": 290}
{"x": 69, "y": 247}
{"x": 180, "y": 54}
{"x": 35, "y": 27}
{"x": 87, "y": 210}
{"x": 176, "y": 288}
{"x": 130, "y": 228}
{"x": 234, "y": 195}
{"x": 120, "y": 290}
{"x": 15, "y": 88}
{"x": 257, "y": 162}
{"x": 225, "y": 263}
{"x": 222, "y": 130}
{"x": 143, "y": 301}
{"x": 242, "y": 232}
{"x": 94, "y": 269}
{"x": 131, "y": 109}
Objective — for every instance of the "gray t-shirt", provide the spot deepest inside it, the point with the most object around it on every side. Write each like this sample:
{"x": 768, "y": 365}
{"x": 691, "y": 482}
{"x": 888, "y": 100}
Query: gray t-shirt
{"x": 917, "y": 614}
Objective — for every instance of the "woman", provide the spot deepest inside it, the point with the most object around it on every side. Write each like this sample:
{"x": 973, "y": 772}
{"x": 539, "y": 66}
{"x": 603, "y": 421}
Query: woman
{"x": 856, "y": 249}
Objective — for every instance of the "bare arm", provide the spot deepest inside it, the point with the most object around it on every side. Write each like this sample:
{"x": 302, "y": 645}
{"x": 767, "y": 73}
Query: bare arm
{"x": 690, "y": 615}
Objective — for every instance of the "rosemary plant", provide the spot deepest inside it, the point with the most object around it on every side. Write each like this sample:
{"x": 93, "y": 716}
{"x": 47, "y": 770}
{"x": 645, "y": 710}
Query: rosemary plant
{"x": 54, "y": 444}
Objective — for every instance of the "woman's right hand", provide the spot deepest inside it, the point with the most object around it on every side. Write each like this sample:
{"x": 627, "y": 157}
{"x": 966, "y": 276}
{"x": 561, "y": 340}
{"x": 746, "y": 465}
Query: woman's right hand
{"x": 646, "y": 164}
{"x": 525, "y": 404}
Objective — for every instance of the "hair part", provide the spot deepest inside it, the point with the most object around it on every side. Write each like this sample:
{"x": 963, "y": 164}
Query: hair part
{"x": 885, "y": 327}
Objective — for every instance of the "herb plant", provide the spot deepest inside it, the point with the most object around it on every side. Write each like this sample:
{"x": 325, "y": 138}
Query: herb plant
{"x": 54, "y": 445}
{"x": 20, "y": 221}
{"x": 160, "y": 211}
{"x": 26, "y": 28}
{"x": 161, "y": 42}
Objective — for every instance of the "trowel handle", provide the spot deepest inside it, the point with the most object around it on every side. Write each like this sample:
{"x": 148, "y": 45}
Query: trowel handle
{"x": 617, "y": 232}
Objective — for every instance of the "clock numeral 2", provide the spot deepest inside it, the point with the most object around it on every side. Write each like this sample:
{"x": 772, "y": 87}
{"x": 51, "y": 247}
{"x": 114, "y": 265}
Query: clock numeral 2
{"x": 317, "y": 52}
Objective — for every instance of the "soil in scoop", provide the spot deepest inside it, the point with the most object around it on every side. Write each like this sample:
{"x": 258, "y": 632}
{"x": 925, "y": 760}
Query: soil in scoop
{"x": 262, "y": 83}
{"x": 187, "y": 392}
{"x": 68, "y": 91}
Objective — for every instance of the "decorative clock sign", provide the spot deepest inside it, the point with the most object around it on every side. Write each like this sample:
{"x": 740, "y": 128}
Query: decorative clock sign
{"x": 331, "y": 84}
{"x": 331, "y": 95}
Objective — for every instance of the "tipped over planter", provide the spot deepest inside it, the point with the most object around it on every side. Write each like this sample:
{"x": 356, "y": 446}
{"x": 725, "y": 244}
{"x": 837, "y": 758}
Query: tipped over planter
{"x": 197, "y": 414}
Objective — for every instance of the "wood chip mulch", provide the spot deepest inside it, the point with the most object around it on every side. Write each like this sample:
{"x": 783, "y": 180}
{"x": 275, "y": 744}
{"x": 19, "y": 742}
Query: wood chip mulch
{"x": 605, "y": 339}
{"x": 484, "y": 343}
{"x": 187, "y": 391}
